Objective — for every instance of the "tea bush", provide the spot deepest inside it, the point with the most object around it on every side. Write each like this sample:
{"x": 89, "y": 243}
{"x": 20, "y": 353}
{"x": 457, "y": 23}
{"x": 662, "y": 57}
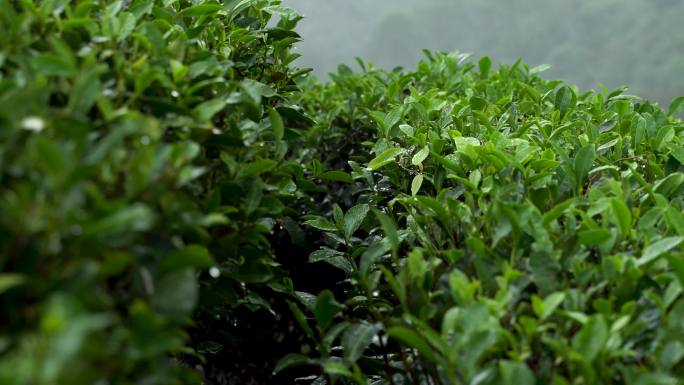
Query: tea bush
{"x": 499, "y": 228}
{"x": 142, "y": 143}
{"x": 179, "y": 204}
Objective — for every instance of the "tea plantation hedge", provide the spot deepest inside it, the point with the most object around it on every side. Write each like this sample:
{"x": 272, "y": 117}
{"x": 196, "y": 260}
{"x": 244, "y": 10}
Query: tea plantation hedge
{"x": 179, "y": 204}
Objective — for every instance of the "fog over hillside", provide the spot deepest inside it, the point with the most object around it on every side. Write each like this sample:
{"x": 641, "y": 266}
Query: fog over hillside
{"x": 615, "y": 42}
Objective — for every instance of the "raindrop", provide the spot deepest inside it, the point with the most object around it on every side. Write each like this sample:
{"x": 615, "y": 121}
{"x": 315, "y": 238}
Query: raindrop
{"x": 33, "y": 123}
{"x": 214, "y": 272}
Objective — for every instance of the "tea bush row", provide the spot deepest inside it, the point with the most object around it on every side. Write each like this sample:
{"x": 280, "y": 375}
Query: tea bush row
{"x": 503, "y": 229}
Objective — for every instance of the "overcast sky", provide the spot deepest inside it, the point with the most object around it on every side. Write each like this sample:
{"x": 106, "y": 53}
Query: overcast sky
{"x": 615, "y": 42}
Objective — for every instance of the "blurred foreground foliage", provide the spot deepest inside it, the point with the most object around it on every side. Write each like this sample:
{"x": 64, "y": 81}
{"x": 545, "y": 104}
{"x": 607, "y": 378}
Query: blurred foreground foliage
{"x": 142, "y": 143}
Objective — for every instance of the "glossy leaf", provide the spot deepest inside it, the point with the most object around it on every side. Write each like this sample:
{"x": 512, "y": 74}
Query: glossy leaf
{"x": 591, "y": 339}
{"x": 356, "y": 338}
{"x": 384, "y": 158}
{"x": 658, "y": 248}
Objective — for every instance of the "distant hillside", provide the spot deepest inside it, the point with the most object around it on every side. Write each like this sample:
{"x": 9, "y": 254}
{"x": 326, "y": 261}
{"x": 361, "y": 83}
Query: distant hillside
{"x": 586, "y": 41}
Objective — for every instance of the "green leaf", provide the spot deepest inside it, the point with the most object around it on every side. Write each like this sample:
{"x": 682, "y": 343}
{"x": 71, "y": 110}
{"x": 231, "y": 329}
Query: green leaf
{"x": 195, "y": 256}
{"x": 326, "y": 308}
{"x": 420, "y": 156}
{"x": 292, "y": 360}
{"x": 338, "y": 216}
{"x": 565, "y": 100}
{"x": 307, "y": 299}
{"x": 10, "y": 280}
{"x": 339, "y": 176}
{"x": 416, "y": 265}
{"x": 258, "y": 167}
{"x": 371, "y": 255}
{"x": 485, "y": 64}
{"x": 178, "y": 70}
{"x": 530, "y": 91}
{"x": 591, "y": 339}
{"x": 557, "y": 210}
{"x": 672, "y": 353}
{"x": 336, "y": 368}
{"x": 175, "y": 295}
{"x": 658, "y": 248}
{"x": 285, "y": 12}
{"x": 412, "y": 339}
{"x": 678, "y": 153}
{"x": 463, "y": 143}
{"x": 236, "y": 7}
{"x": 677, "y": 264}
{"x": 389, "y": 228}
{"x": 416, "y": 183}
{"x": 137, "y": 217}
{"x": 276, "y": 123}
{"x": 477, "y": 103}
{"x": 331, "y": 335}
{"x": 321, "y": 224}
{"x": 669, "y": 184}
{"x": 593, "y": 237}
{"x": 392, "y": 118}
{"x": 515, "y": 373}
{"x": 332, "y": 257}
{"x": 384, "y": 158}
{"x": 407, "y": 129}
{"x": 551, "y": 303}
{"x": 676, "y": 106}
{"x": 300, "y": 318}
{"x": 675, "y": 220}
{"x": 206, "y": 110}
{"x": 622, "y": 215}
{"x": 53, "y": 65}
{"x": 200, "y": 10}
{"x": 664, "y": 136}
{"x": 356, "y": 339}
{"x": 584, "y": 159}
{"x": 656, "y": 378}
{"x": 85, "y": 91}
{"x": 353, "y": 219}
{"x": 540, "y": 68}
{"x": 256, "y": 90}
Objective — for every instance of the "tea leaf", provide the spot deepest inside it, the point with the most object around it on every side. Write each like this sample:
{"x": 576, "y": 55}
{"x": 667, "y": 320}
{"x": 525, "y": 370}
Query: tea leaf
{"x": 416, "y": 183}
{"x": 384, "y": 158}
{"x": 356, "y": 339}
{"x": 591, "y": 339}
{"x": 658, "y": 248}
{"x": 353, "y": 219}
{"x": 420, "y": 156}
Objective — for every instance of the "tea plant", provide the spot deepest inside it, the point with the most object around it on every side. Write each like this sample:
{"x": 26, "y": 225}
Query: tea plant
{"x": 143, "y": 142}
{"x": 504, "y": 229}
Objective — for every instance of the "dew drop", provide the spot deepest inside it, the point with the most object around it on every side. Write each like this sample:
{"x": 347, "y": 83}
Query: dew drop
{"x": 214, "y": 272}
{"x": 33, "y": 123}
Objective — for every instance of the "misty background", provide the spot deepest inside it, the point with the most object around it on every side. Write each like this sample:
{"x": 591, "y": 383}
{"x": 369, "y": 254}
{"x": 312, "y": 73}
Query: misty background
{"x": 639, "y": 43}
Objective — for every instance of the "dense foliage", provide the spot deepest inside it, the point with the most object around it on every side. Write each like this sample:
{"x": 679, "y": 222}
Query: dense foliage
{"x": 503, "y": 229}
{"x": 178, "y": 204}
{"x": 141, "y": 143}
